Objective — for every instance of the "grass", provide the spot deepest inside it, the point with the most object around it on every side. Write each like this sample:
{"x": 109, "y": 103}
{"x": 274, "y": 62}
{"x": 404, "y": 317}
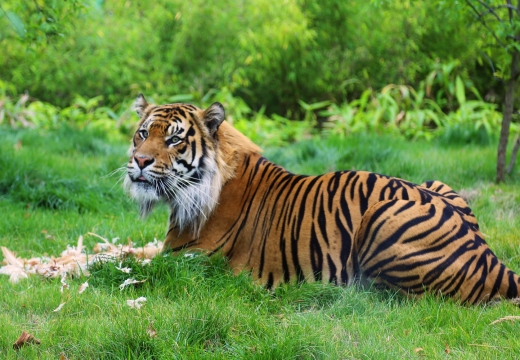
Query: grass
{"x": 54, "y": 188}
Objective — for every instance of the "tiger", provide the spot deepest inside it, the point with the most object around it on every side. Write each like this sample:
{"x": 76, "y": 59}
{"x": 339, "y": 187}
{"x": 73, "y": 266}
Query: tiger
{"x": 344, "y": 227}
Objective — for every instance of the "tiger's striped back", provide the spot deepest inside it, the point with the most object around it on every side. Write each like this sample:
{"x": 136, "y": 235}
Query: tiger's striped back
{"x": 340, "y": 226}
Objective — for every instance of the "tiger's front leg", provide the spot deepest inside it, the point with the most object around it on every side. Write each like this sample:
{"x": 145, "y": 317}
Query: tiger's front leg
{"x": 418, "y": 247}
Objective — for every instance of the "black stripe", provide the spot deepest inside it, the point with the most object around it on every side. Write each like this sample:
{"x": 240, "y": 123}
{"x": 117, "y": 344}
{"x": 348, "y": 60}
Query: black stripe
{"x": 398, "y": 233}
{"x": 321, "y": 218}
{"x": 332, "y": 277}
{"x": 270, "y": 281}
{"x": 191, "y": 131}
{"x": 375, "y": 216}
{"x": 285, "y": 266}
{"x": 447, "y": 214}
{"x": 499, "y": 280}
{"x": 332, "y": 189}
{"x": 180, "y": 111}
{"x": 512, "y": 289}
{"x": 316, "y": 255}
{"x": 405, "y": 207}
{"x": 353, "y": 187}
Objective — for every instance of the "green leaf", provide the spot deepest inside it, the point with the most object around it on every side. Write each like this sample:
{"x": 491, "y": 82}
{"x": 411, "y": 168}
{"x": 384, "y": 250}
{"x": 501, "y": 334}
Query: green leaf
{"x": 17, "y": 23}
{"x": 460, "y": 90}
{"x": 181, "y": 98}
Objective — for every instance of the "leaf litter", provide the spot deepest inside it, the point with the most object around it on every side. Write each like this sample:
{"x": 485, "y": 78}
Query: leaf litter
{"x": 83, "y": 287}
{"x": 151, "y": 331}
{"x": 25, "y": 339}
{"x": 129, "y": 282}
{"x": 59, "y": 307}
{"x": 137, "y": 303}
{"x": 74, "y": 260}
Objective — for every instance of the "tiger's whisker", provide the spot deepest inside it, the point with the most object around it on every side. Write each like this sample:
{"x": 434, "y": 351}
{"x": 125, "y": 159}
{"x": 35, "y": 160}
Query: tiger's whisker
{"x": 112, "y": 173}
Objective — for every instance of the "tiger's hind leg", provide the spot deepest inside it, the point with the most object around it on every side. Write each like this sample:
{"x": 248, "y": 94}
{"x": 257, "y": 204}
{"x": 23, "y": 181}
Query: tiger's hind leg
{"x": 419, "y": 247}
{"x": 454, "y": 199}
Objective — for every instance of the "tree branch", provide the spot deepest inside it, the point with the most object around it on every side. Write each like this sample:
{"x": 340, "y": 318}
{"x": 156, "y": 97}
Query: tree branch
{"x": 508, "y": 6}
{"x": 483, "y": 22}
{"x": 491, "y": 10}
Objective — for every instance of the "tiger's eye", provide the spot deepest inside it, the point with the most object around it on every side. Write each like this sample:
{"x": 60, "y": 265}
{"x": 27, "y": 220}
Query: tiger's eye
{"x": 143, "y": 133}
{"x": 174, "y": 140}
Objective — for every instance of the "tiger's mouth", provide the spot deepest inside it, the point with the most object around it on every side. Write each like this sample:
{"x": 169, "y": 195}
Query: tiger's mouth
{"x": 141, "y": 179}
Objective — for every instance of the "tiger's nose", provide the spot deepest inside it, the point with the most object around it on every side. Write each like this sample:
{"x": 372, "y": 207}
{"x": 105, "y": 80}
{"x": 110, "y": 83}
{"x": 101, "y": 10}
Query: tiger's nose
{"x": 143, "y": 161}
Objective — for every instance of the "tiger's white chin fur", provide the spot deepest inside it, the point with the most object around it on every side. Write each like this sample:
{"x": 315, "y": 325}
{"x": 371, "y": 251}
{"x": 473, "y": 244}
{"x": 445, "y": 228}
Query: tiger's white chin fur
{"x": 190, "y": 206}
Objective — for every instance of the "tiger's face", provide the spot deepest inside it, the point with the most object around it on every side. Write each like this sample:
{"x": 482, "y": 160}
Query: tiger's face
{"x": 172, "y": 159}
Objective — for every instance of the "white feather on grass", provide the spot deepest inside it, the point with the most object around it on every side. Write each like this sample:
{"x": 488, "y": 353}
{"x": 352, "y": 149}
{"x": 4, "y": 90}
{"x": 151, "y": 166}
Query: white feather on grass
{"x": 74, "y": 260}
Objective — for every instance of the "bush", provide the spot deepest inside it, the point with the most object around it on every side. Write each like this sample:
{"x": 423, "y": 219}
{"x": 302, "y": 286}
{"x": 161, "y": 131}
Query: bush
{"x": 270, "y": 54}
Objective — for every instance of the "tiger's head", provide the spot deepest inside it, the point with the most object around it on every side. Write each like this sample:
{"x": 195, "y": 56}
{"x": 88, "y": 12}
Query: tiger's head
{"x": 175, "y": 157}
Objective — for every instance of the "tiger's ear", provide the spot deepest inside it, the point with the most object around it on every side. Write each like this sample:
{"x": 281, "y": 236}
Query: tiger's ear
{"x": 140, "y": 105}
{"x": 213, "y": 117}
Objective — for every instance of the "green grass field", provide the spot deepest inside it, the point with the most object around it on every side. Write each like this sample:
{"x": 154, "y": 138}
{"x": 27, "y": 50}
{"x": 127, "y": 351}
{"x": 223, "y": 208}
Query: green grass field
{"x": 54, "y": 187}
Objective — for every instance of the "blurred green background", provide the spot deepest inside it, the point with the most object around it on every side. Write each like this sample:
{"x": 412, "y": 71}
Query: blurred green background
{"x": 419, "y": 68}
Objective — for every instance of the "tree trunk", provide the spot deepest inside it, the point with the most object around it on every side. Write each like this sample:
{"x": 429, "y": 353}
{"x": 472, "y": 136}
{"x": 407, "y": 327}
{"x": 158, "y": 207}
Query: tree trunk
{"x": 509, "y": 104}
{"x": 506, "y": 121}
